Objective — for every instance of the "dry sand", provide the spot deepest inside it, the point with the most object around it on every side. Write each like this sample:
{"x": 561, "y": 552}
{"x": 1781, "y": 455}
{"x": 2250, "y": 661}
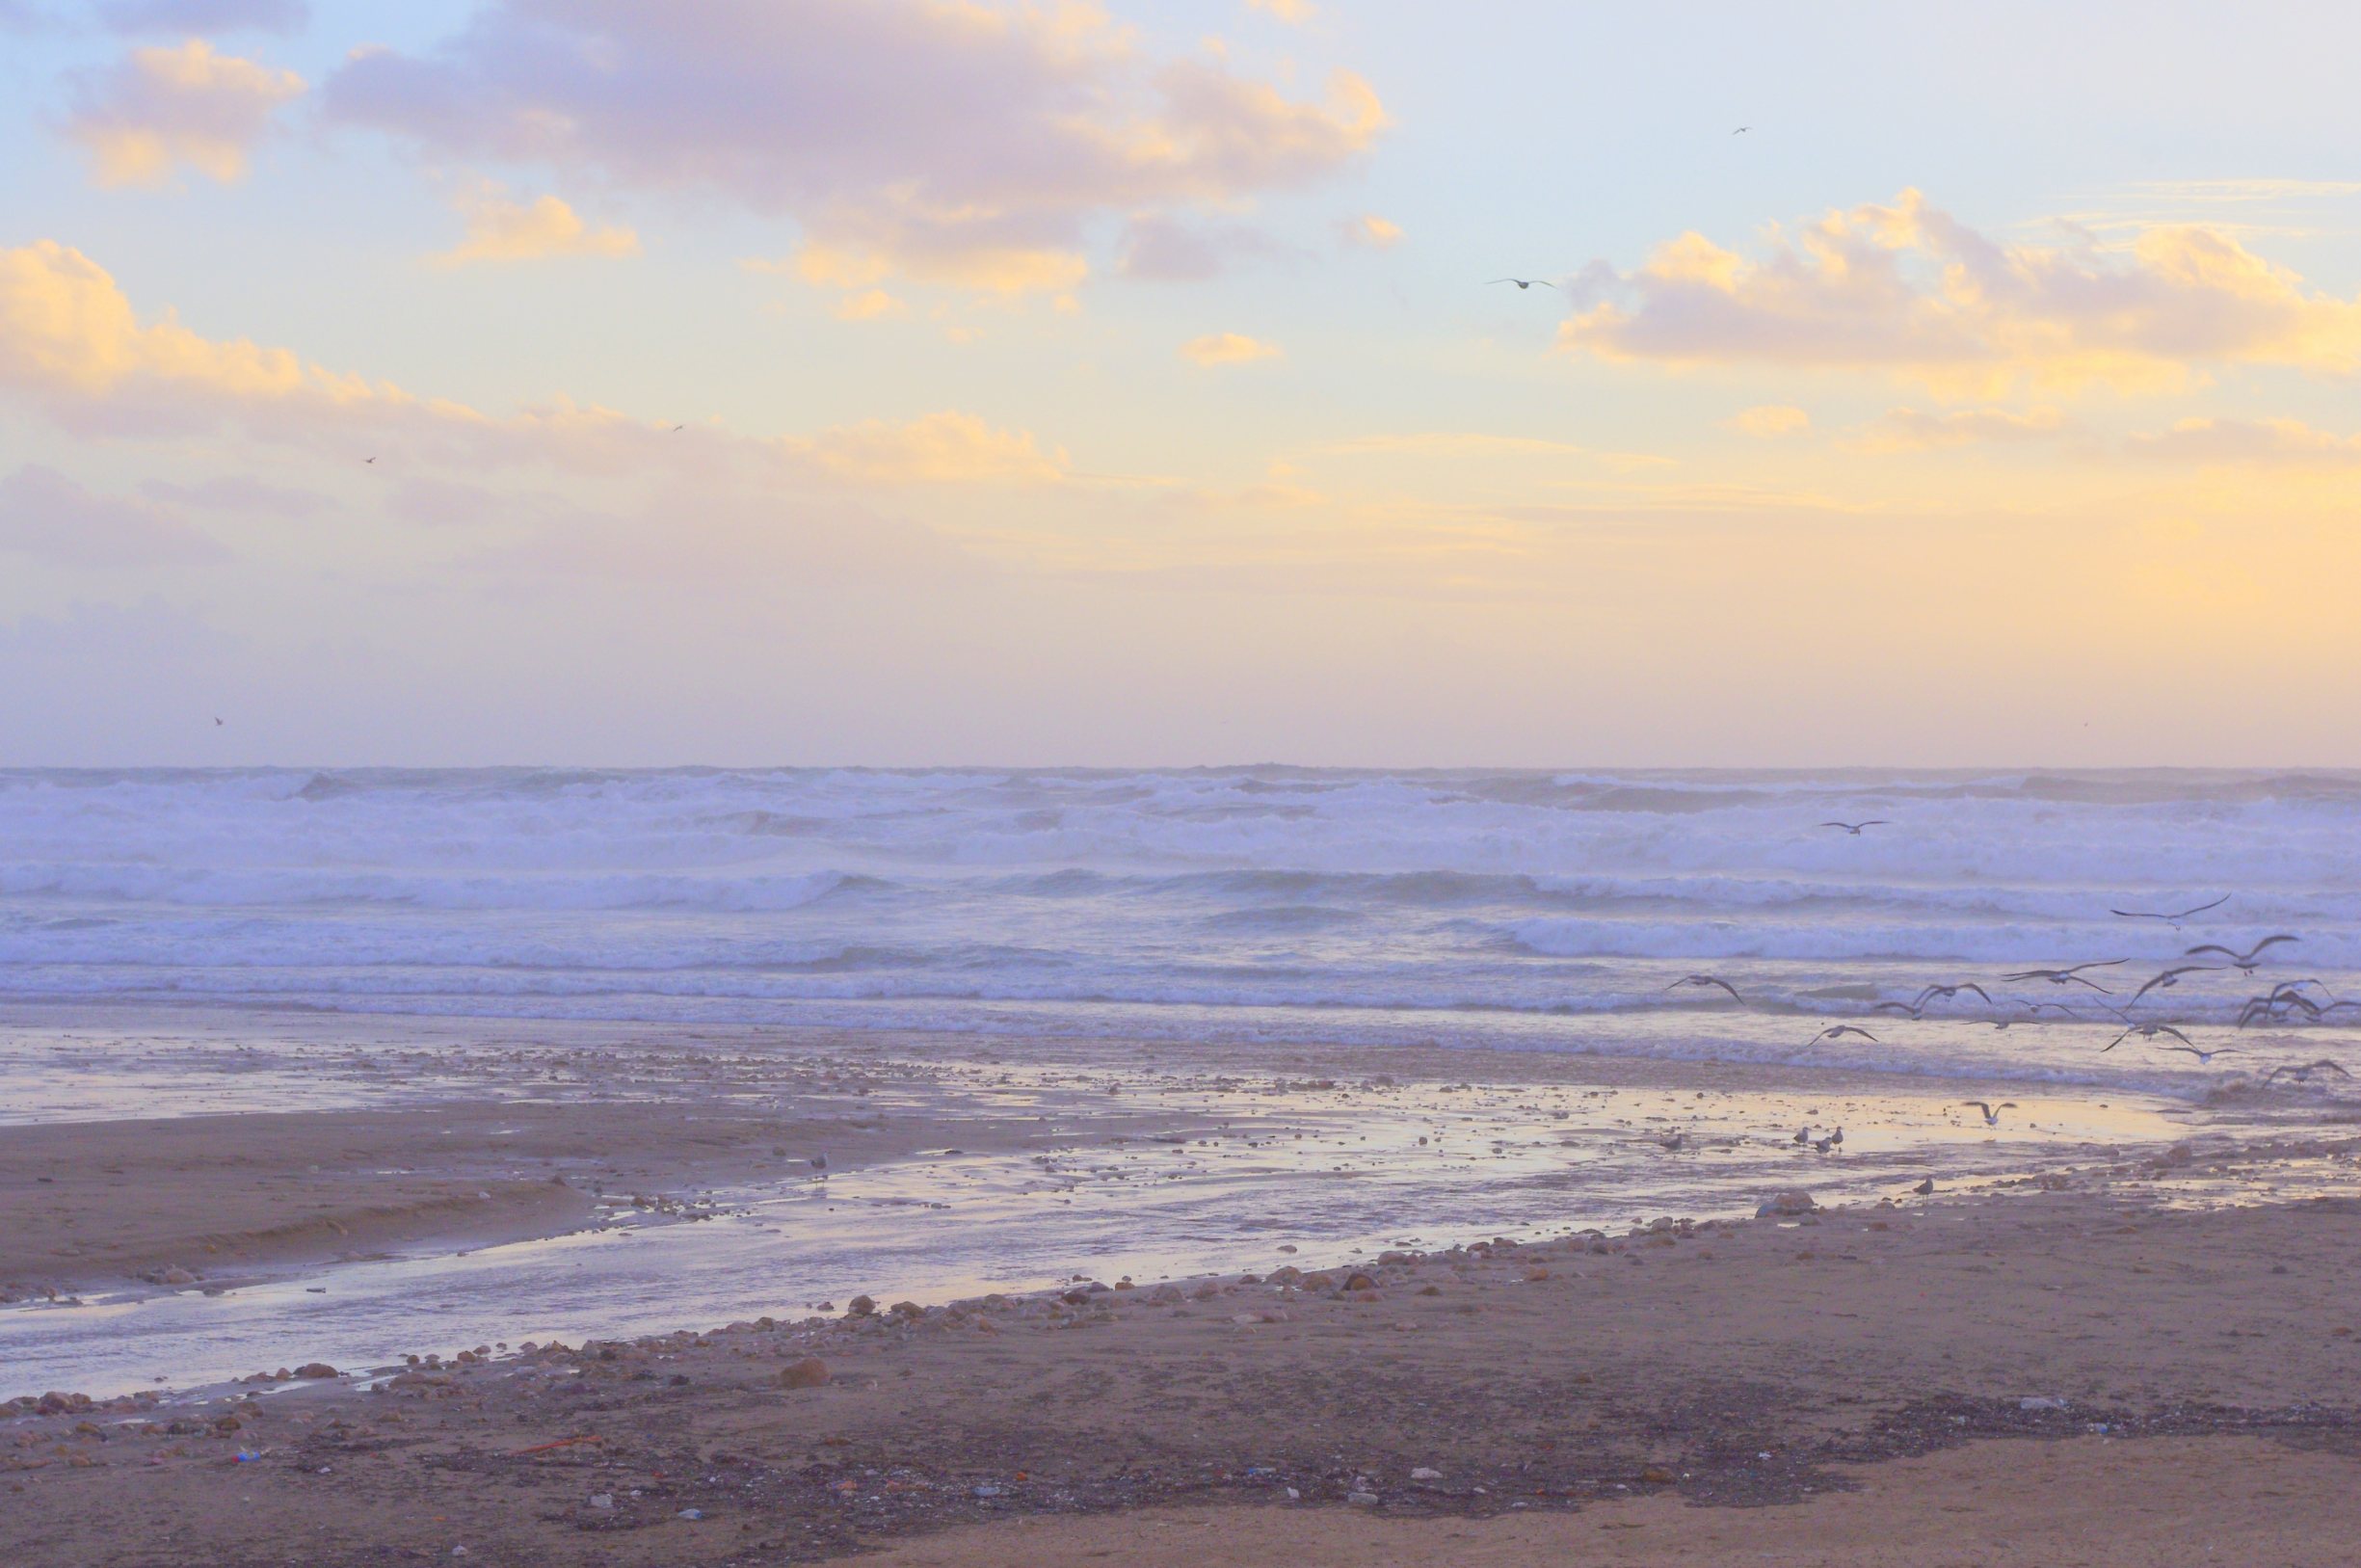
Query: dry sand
{"x": 1853, "y": 1389}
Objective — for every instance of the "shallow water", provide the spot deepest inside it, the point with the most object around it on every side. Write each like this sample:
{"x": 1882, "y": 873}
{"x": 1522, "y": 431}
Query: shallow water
{"x": 1330, "y": 1172}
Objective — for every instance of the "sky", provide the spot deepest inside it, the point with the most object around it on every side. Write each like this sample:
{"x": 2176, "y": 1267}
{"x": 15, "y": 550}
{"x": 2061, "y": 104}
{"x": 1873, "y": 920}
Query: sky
{"x": 938, "y": 382}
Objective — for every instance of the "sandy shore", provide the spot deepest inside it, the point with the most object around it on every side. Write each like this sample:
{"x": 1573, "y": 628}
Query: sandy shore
{"x": 213, "y": 1199}
{"x": 1867, "y": 1385}
{"x": 2066, "y": 1365}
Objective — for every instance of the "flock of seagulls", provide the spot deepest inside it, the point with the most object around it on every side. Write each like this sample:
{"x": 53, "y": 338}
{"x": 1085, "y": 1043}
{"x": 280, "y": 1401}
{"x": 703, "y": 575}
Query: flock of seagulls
{"x": 2307, "y": 1000}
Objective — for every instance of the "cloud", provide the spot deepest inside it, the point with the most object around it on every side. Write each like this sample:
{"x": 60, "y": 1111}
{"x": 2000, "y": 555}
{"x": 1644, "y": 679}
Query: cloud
{"x": 2248, "y": 443}
{"x": 70, "y": 343}
{"x": 499, "y": 229}
{"x": 1908, "y": 291}
{"x": 161, "y": 108}
{"x": 1293, "y": 12}
{"x": 1772, "y": 419}
{"x": 1162, "y": 249}
{"x": 239, "y": 494}
{"x": 1473, "y": 443}
{"x": 1371, "y": 232}
{"x": 66, "y": 327}
{"x": 948, "y": 448}
{"x": 2211, "y": 191}
{"x": 47, "y": 515}
{"x": 874, "y": 305}
{"x": 1226, "y": 349}
{"x": 1913, "y": 430}
{"x": 186, "y": 16}
{"x": 954, "y": 143}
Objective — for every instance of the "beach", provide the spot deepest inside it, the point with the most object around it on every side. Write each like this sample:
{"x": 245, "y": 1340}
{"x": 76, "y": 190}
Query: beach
{"x": 2071, "y": 1318}
{"x": 1249, "y": 1165}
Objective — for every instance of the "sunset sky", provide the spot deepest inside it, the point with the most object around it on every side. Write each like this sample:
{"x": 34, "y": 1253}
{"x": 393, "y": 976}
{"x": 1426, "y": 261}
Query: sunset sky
{"x": 1075, "y": 384}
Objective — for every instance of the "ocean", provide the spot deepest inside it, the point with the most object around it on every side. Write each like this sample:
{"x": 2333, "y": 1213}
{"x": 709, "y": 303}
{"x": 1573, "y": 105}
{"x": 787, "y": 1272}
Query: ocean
{"x": 1528, "y": 910}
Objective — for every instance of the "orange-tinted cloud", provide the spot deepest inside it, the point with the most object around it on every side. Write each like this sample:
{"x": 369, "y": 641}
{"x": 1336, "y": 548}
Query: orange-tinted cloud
{"x": 499, "y": 229}
{"x": 948, "y": 448}
{"x": 2248, "y": 443}
{"x": 72, "y": 343}
{"x": 1914, "y": 429}
{"x": 1770, "y": 420}
{"x": 163, "y": 107}
{"x": 1227, "y": 348}
{"x": 1909, "y": 291}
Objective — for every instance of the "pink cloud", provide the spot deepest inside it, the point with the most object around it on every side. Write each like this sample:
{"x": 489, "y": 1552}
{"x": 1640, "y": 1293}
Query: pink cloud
{"x": 919, "y": 134}
{"x": 51, "y": 518}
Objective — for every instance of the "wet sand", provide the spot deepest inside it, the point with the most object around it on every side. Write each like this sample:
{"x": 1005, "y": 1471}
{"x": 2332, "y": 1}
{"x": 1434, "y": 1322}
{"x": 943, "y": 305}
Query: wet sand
{"x": 2095, "y": 1329}
{"x": 2043, "y": 1357}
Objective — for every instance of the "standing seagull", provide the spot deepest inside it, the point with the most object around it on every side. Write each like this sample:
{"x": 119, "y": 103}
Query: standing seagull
{"x": 2246, "y": 961}
{"x": 1854, "y": 828}
{"x": 1992, "y": 1113}
{"x": 2174, "y": 919}
{"x": 1524, "y": 282}
{"x": 1707, "y": 980}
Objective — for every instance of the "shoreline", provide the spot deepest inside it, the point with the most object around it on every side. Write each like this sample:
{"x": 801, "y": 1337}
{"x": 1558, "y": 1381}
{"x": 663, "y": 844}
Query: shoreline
{"x": 1725, "y": 1366}
{"x": 1427, "y": 1338}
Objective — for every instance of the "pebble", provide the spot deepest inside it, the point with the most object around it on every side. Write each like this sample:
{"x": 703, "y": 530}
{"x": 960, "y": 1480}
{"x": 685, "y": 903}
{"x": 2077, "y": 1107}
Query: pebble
{"x": 1426, "y": 1473}
{"x": 1362, "y": 1499}
{"x": 602, "y": 1502}
{"x": 690, "y": 1513}
{"x": 811, "y": 1372}
{"x": 1793, "y": 1201}
{"x": 2038, "y": 1401}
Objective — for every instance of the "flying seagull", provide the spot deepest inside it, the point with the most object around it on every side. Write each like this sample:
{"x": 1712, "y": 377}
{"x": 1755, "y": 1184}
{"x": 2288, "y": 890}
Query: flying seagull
{"x": 2068, "y": 977}
{"x": 1707, "y": 980}
{"x": 2035, "y": 1009}
{"x": 1741, "y": 130}
{"x": 2174, "y": 919}
{"x": 217, "y": 720}
{"x": 1524, "y": 282}
{"x": 678, "y": 429}
{"x": 2303, "y": 1074}
{"x": 2146, "y": 1032}
{"x": 2172, "y": 977}
{"x": 1854, "y": 828}
{"x": 2205, "y": 1058}
{"x": 1837, "y": 1031}
{"x": 1916, "y": 1007}
{"x": 2246, "y": 961}
{"x": 1992, "y": 1113}
{"x": 2268, "y": 1008}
